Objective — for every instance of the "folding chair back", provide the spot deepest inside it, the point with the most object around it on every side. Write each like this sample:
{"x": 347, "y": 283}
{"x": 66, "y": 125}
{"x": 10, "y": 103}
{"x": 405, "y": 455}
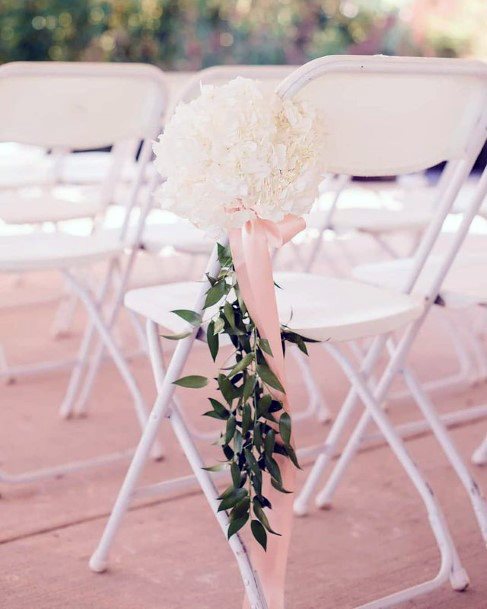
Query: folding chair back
{"x": 389, "y": 115}
{"x": 82, "y": 106}
{"x": 271, "y": 77}
{"x": 394, "y": 115}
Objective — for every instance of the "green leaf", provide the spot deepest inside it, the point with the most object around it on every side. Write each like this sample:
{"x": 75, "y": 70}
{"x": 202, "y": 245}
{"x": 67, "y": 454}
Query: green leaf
{"x": 248, "y": 388}
{"x": 259, "y": 533}
{"x": 230, "y": 429}
{"x": 179, "y": 336}
{"x": 214, "y": 415}
{"x": 219, "y": 325}
{"x": 238, "y": 442}
{"x": 219, "y": 408}
{"x": 211, "y": 280}
{"x": 269, "y": 377}
{"x": 228, "y": 452}
{"x": 241, "y": 365}
{"x": 227, "y": 389}
{"x": 236, "y": 525}
{"x": 279, "y": 487}
{"x": 257, "y": 436}
{"x": 215, "y": 468}
{"x": 241, "y": 508}
{"x": 193, "y": 381}
{"x": 285, "y": 427}
{"x": 190, "y": 316}
{"x": 252, "y": 462}
{"x": 257, "y": 482}
{"x": 263, "y": 405}
{"x": 236, "y": 475}
{"x": 263, "y": 343}
{"x": 302, "y": 347}
{"x": 292, "y": 455}
{"x": 269, "y": 443}
{"x": 224, "y": 255}
{"x": 212, "y": 340}
{"x": 229, "y": 313}
{"x": 226, "y": 493}
{"x": 215, "y": 293}
{"x": 246, "y": 418}
{"x": 232, "y": 500}
{"x": 275, "y": 406}
{"x": 259, "y": 512}
{"x": 273, "y": 469}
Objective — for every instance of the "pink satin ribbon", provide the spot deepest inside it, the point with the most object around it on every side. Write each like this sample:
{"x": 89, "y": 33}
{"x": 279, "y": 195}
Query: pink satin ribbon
{"x": 251, "y": 248}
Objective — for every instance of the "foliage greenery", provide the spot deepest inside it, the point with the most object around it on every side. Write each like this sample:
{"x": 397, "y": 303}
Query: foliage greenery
{"x": 256, "y": 427}
{"x": 191, "y": 34}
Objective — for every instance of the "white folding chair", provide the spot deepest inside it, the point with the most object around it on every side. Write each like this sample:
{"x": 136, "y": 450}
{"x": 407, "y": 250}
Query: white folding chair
{"x": 186, "y": 238}
{"x": 82, "y": 105}
{"x": 364, "y": 100}
{"x": 455, "y": 134}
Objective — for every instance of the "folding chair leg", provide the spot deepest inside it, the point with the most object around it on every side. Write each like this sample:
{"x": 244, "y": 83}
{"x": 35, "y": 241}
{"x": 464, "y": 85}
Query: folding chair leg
{"x": 98, "y": 562}
{"x": 165, "y": 391}
{"x": 119, "y": 360}
{"x": 64, "y": 316}
{"x": 249, "y": 576}
{"x": 329, "y": 449}
{"x": 316, "y": 402}
{"x": 66, "y": 409}
{"x": 479, "y": 457}
{"x": 429, "y": 412}
{"x": 325, "y": 496}
{"x": 139, "y": 331}
{"x": 451, "y": 567}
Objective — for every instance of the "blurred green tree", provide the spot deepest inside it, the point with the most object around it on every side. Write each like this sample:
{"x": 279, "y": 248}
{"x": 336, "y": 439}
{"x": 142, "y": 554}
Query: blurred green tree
{"x": 190, "y": 34}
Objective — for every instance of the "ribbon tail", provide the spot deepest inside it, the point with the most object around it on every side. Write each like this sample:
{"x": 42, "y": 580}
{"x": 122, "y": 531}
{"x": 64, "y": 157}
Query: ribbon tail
{"x": 253, "y": 266}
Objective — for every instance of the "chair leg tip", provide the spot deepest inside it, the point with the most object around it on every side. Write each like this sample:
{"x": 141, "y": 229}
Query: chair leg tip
{"x": 323, "y": 504}
{"x": 479, "y": 457}
{"x": 300, "y": 509}
{"x": 459, "y": 580}
{"x": 97, "y": 565}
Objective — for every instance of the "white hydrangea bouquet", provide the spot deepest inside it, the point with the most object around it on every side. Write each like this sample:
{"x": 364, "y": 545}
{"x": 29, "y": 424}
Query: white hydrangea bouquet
{"x": 236, "y": 153}
{"x": 244, "y": 163}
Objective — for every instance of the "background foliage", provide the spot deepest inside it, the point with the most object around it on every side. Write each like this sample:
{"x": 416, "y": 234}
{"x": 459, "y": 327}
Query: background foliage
{"x": 190, "y": 34}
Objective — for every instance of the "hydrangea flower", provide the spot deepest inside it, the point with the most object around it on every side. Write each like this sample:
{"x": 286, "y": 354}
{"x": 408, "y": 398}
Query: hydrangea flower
{"x": 236, "y": 153}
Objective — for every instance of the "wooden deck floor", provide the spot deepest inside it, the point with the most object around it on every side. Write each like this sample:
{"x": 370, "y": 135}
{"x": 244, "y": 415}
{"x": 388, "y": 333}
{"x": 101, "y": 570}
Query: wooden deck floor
{"x": 170, "y": 553}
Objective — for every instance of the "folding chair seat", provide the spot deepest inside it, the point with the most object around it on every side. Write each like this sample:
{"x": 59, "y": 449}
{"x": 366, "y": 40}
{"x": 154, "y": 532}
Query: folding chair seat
{"x": 464, "y": 286}
{"x": 39, "y": 206}
{"x": 95, "y": 106}
{"x": 180, "y": 235}
{"x": 374, "y": 220}
{"x": 385, "y": 116}
{"x": 47, "y": 251}
{"x": 23, "y": 165}
{"x": 318, "y": 307}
